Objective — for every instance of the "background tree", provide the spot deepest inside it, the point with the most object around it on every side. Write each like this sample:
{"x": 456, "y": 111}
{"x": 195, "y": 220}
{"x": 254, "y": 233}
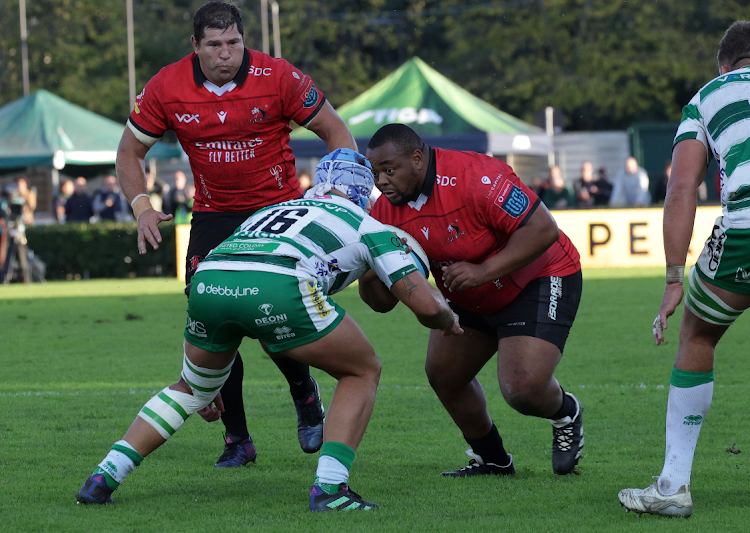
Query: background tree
{"x": 604, "y": 63}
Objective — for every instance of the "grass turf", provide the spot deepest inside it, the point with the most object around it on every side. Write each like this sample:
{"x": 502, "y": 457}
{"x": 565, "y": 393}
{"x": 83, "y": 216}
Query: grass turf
{"x": 81, "y": 358}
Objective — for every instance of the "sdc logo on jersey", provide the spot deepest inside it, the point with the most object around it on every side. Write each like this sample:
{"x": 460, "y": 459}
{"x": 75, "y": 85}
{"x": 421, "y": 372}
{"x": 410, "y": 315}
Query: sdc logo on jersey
{"x": 258, "y": 71}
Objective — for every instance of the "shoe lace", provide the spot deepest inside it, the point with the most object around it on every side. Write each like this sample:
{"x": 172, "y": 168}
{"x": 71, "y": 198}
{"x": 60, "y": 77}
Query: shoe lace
{"x": 309, "y": 411}
{"x": 229, "y": 450}
{"x": 564, "y": 437}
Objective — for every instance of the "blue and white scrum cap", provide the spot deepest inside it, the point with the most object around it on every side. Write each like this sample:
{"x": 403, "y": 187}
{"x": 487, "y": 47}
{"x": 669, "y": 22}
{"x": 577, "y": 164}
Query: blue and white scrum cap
{"x": 346, "y": 171}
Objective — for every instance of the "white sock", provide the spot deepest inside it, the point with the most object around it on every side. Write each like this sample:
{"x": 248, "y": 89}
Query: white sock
{"x": 331, "y": 471}
{"x": 117, "y": 464}
{"x": 686, "y": 409}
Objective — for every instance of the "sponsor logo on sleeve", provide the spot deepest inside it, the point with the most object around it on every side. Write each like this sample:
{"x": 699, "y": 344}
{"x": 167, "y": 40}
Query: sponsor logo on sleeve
{"x": 512, "y": 199}
{"x": 486, "y": 180}
{"x": 311, "y": 98}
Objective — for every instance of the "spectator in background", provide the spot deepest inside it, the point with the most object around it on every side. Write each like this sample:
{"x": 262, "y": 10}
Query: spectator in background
{"x": 180, "y": 201}
{"x": 660, "y": 190}
{"x": 631, "y": 186}
{"x": 585, "y": 187}
{"x": 109, "y": 203}
{"x": 156, "y": 190}
{"x": 66, "y": 191}
{"x": 557, "y": 195}
{"x": 305, "y": 181}
{"x": 29, "y": 201}
{"x": 184, "y": 211}
{"x": 603, "y": 188}
{"x": 176, "y": 196}
{"x": 538, "y": 186}
{"x": 79, "y": 207}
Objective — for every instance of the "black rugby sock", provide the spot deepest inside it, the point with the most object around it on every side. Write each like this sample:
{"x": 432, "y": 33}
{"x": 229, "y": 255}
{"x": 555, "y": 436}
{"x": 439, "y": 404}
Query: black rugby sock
{"x": 297, "y": 375}
{"x": 233, "y": 416}
{"x": 568, "y": 407}
{"x": 490, "y": 448}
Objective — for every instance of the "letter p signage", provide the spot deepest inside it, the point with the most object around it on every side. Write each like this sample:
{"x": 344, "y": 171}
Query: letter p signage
{"x": 599, "y": 235}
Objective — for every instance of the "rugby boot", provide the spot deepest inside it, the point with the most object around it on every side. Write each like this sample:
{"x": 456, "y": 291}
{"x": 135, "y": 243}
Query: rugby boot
{"x": 237, "y": 453}
{"x": 344, "y": 500}
{"x": 310, "y": 416}
{"x": 567, "y": 441}
{"x": 95, "y": 490}
{"x": 651, "y": 501}
{"x": 477, "y": 467}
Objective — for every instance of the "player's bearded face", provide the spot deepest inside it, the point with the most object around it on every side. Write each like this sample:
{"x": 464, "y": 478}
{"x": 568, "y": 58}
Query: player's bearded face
{"x": 220, "y": 53}
{"x": 397, "y": 175}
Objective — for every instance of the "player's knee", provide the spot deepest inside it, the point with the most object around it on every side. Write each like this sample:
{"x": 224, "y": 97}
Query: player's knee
{"x": 523, "y": 395}
{"x": 168, "y": 410}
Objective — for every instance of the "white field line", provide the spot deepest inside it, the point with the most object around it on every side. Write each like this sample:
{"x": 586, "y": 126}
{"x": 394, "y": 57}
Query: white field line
{"x": 282, "y": 390}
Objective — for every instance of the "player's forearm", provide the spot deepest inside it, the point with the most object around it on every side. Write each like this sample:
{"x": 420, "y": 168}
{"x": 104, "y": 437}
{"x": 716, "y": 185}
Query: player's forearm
{"x": 688, "y": 170}
{"x": 131, "y": 174}
{"x": 443, "y": 319}
{"x": 679, "y": 217}
{"x": 525, "y": 245}
{"x": 375, "y": 294}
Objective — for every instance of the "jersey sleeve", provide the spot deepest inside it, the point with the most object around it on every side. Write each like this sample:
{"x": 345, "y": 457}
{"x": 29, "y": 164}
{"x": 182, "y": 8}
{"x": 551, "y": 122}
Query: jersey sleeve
{"x": 508, "y": 205}
{"x": 302, "y": 100}
{"x": 147, "y": 121}
{"x": 692, "y": 125}
{"x": 388, "y": 258}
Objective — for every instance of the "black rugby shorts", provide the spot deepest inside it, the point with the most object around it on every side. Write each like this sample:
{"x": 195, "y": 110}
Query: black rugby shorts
{"x": 207, "y": 231}
{"x": 544, "y": 309}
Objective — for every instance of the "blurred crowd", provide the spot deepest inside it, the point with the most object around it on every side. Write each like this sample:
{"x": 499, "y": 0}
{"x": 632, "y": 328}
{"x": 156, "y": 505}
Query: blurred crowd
{"x": 630, "y": 187}
{"x": 75, "y": 204}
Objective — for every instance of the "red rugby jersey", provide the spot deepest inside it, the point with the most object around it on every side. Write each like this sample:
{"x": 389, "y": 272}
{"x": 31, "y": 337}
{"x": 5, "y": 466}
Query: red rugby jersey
{"x": 238, "y": 141}
{"x": 469, "y": 206}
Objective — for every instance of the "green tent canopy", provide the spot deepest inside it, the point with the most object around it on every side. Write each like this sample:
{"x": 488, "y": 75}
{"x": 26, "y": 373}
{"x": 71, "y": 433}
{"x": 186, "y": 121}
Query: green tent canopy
{"x": 45, "y": 130}
{"x": 437, "y": 109}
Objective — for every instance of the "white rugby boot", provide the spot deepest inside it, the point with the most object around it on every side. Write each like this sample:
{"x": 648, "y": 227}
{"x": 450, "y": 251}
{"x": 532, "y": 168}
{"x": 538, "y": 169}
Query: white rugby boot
{"x": 651, "y": 501}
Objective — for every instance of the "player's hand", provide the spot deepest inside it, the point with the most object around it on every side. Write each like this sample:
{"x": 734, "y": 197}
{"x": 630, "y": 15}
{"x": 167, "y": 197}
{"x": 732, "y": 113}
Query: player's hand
{"x": 211, "y": 413}
{"x": 455, "y": 328}
{"x": 462, "y": 275}
{"x": 148, "y": 230}
{"x": 673, "y": 294}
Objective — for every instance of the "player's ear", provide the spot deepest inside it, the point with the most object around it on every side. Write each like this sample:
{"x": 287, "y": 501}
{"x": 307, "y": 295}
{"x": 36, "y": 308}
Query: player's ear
{"x": 194, "y": 43}
{"x": 417, "y": 158}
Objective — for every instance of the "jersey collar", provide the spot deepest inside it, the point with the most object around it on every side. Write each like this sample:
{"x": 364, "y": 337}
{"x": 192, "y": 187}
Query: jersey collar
{"x": 429, "y": 184}
{"x": 238, "y": 79}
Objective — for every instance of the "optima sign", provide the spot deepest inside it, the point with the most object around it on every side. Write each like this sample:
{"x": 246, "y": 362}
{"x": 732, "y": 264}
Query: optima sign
{"x": 404, "y": 115}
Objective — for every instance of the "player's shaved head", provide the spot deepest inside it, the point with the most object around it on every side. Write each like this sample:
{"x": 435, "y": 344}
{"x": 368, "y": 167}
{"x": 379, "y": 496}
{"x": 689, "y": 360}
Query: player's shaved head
{"x": 403, "y": 138}
{"x": 218, "y": 15}
{"x": 735, "y": 45}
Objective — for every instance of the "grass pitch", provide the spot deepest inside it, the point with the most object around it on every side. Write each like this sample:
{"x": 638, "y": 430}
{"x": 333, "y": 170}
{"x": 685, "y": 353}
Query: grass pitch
{"x": 79, "y": 359}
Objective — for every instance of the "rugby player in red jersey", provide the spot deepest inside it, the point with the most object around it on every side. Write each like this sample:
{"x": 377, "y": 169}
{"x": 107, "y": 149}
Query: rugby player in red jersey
{"x": 230, "y": 108}
{"x": 510, "y": 274}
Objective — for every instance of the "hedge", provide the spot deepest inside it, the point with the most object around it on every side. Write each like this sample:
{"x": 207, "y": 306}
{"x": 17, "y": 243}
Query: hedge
{"x": 102, "y": 250}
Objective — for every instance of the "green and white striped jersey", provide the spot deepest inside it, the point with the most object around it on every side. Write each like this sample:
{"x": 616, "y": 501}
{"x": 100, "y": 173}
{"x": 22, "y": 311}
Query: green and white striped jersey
{"x": 328, "y": 238}
{"x": 719, "y": 117}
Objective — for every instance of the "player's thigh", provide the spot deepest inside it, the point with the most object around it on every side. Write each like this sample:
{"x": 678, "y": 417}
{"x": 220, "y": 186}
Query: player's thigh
{"x": 344, "y": 350}
{"x": 454, "y": 360}
{"x": 709, "y": 311}
{"x": 526, "y": 362}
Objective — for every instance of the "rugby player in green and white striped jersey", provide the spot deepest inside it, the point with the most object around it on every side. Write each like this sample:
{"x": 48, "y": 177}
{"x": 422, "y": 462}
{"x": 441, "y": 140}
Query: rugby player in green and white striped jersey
{"x": 715, "y": 123}
{"x": 271, "y": 281}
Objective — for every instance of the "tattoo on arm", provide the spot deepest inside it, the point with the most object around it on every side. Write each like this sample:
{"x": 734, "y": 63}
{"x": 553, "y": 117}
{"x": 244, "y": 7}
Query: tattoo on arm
{"x": 410, "y": 286}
